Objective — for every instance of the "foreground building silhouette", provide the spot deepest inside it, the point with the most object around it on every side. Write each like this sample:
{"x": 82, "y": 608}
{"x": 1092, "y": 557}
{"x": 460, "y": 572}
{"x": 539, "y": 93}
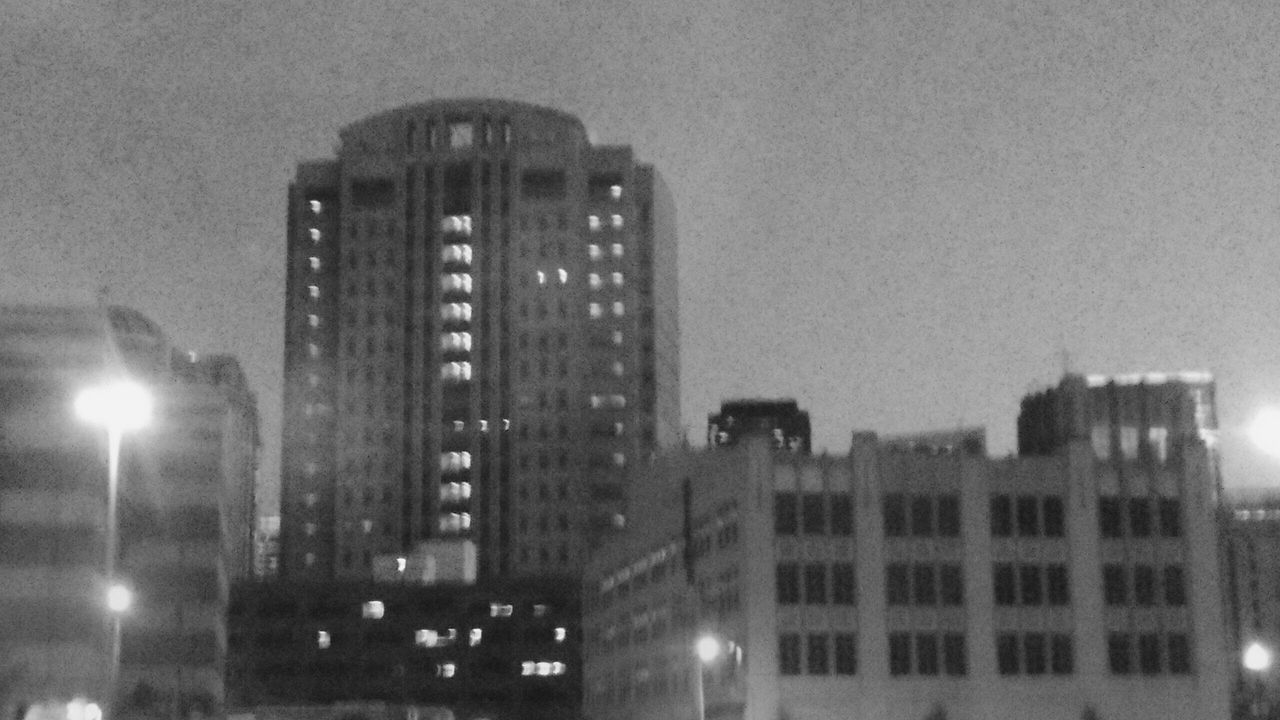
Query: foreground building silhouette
{"x": 918, "y": 578}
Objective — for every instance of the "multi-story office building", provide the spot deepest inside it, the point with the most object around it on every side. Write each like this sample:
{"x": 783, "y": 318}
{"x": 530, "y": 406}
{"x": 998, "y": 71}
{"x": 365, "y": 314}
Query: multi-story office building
{"x": 912, "y": 579}
{"x": 1252, "y": 579}
{"x": 481, "y": 339}
{"x": 782, "y": 420}
{"x": 176, "y": 478}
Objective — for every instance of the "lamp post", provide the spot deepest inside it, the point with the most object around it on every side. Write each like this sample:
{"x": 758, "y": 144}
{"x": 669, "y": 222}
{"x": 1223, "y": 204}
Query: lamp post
{"x": 707, "y": 649}
{"x": 1257, "y": 660}
{"x": 118, "y": 407}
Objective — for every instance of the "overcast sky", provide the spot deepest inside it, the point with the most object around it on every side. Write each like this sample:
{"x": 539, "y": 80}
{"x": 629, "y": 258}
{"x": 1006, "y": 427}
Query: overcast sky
{"x": 903, "y": 214}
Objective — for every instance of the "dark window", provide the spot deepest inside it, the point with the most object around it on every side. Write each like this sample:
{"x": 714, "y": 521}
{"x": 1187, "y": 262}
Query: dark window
{"x": 1028, "y": 516}
{"x": 1033, "y": 653}
{"x": 843, "y": 590}
{"x": 846, "y": 654}
{"x": 818, "y": 658}
{"x": 1149, "y": 653}
{"x": 788, "y": 583}
{"x": 1007, "y": 654}
{"x": 1115, "y": 589}
{"x": 1110, "y": 524}
{"x": 1144, "y": 585}
{"x": 815, "y": 584}
{"x": 899, "y": 653}
{"x": 927, "y": 654}
{"x": 1002, "y": 576}
{"x": 1119, "y": 653}
{"x": 951, "y": 584}
{"x": 814, "y": 517}
{"x": 1054, "y": 517}
{"x": 1001, "y": 516}
{"x": 922, "y": 516}
{"x": 1062, "y": 658}
{"x": 841, "y": 515}
{"x": 1030, "y": 585}
{"x": 1058, "y": 584}
{"x": 895, "y": 515}
{"x": 955, "y": 658}
{"x": 1179, "y": 654}
{"x": 1175, "y": 588}
{"x": 1139, "y": 517}
{"x": 789, "y": 654}
{"x": 949, "y": 516}
{"x": 925, "y": 585}
{"x": 897, "y": 585}
{"x": 784, "y": 513}
{"x": 1170, "y": 518}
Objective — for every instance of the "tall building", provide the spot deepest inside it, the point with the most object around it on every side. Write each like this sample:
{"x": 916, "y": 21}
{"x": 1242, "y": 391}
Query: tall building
{"x": 481, "y": 339}
{"x": 913, "y": 578}
{"x": 781, "y": 420}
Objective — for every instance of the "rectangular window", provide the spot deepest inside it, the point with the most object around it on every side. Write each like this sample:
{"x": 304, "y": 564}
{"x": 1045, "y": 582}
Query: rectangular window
{"x": 1030, "y": 585}
{"x": 922, "y": 516}
{"x": 843, "y": 590}
{"x": 1179, "y": 654}
{"x": 1028, "y": 516}
{"x": 815, "y": 584}
{"x": 1002, "y": 578}
{"x": 1170, "y": 518}
{"x": 955, "y": 657}
{"x": 846, "y": 654}
{"x": 841, "y": 515}
{"x": 897, "y": 585}
{"x": 789, "y": 654}
{"x": 1149, "y": 653}
{"x": 813, "y": 515}
{"x": 1140, "y": 517}
{"x": 1062, "y": 659}
{"x": 1033, "y": 654}
{"x": 1001, "y": 516}
{"x": 784, "y": 513}
{"x": 951, "y": 584}
{"x": 1110, "y": 524}
{"x": 788, "y": 583}
{"x": 1175, "y": 588}
{"x": 926, "y": 589}
{"x": 1007, "y": 654}
{"x": 1115, "y": 590}
{"x": 1144, "y": 585}
{"x": 1119, "y": 653}
{"x": 1054, "y": 517}
{"x": 899, "y": 654}
{"x": 895, "y": 515}
{"x": 927, "y": 654}
{"x": 1058, "y": 584}
{"x": 818, "y": 658}
{"x": 949, "y": 516}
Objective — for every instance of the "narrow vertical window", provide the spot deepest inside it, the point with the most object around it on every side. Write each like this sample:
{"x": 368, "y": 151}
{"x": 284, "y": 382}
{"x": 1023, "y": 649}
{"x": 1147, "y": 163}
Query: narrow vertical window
{"x": 789, "y": 654}
{"x": 899, "y": 654}
{"x": 1001, "y": 516}
{"x": 895, "y": 515}
{"x": 818, "y": 655}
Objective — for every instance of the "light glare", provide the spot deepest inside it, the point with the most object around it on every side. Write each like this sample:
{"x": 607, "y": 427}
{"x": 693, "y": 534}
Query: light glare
{"x": 1257, "y": 657}
{"x": 1265, "y": 431}
{"x": 708, "y": 648}
{"x": 119, "y": 598}
{"x": 122, "y": 405}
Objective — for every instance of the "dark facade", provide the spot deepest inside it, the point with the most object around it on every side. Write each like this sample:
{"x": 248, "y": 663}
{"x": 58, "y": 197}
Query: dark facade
{"x": 481, "y": 339}
{"x": 508, "y": 650}
{"x": 781, "y": 420}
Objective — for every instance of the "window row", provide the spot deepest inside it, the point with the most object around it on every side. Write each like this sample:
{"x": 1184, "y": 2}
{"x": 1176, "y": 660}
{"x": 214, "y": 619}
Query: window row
{"x": 813, "y": 513}
{"x": 1031, "y": 584}
{"x": 1155, "y": 653}
{"x": 1139, "y": 517}
{"x": 596, "y": 252}
{"x": 919, "y": 654}
{"x": 1147, "y": 585}
{"x": 842, "y": 585}
{"x": 595, "y": 310}
{"x": 924, "y": 584}
{"x": 823, "y": 653}
{"x": 1030, "y": 515}
{"x": 1034, "y": 653}
{"x": 921, "y": 515}
{"x": 596, "y": 282}
{"x": 595, "y": 224}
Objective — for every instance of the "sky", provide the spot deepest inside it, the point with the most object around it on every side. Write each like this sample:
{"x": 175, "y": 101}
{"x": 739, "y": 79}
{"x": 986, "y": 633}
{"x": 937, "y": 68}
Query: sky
{"x": 905, "y": 215}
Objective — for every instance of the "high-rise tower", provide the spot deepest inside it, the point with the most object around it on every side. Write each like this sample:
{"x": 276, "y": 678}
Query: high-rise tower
{"x": 481, "y": 339}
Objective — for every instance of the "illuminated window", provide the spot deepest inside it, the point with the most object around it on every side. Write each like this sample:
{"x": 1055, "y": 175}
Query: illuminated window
{"x": 367, "y": 526}
{"x": 455, "y": 491}
{"x": 617, "y": 279}
{"x": 313, "y": 350}
{"x": 323, "y": 640}
{"x": 1158, "y": 439}
{"x": 309, "y": 529}
{"x": 593, "y": 222}
{"x": 309, "y": 559}
{"x": 459, "y": 426}
{"x": 372, "y": 610}
{"x": 314, "y": 291}
{"x": 593, "y": 280}
{"x": 309, "y": 499}
{"x": 447, "y": 669}
{"x": 594, "y": 252}
{"x": 456, "y": 342}
{"x": 456, "y": 312}
{"x": 460, "y": 254}
{"x": 618, "y": 308}
{"x": 316, "y": 207}
{"x": 460, "y": 135}
{"x": 315, "y": 234}
{"x": 473, "y": 639}
{"x": 563, "y": 274}
{"x": 455, "y": 461}
{"x": 528, "y": 667}
{"x": 434, "y": 638}
{"x": 460, "y": 224}
{"x": 456, "y": 282}
{"x": 617, "y": 368}
{"x": 560, "y": 634}
{"x": 615, "y": 192}
{"x": 542, "y": 278}
{"x": 456, "y": 371}
{"x": 595, "y": 311}
{"x": 616, "y": 248}
{"x": 313, "y": 320}
{"x": 484, "y": 426}
{"x": 616, "y": 222}
{"x": 619, "y": 459}
{"x": 1100, "y": 437}
{"x": 1129, "y": 442}
{"x": 313, "y": 380}
{"x": 617, "y": 337}
{"x": 501, "y": 609}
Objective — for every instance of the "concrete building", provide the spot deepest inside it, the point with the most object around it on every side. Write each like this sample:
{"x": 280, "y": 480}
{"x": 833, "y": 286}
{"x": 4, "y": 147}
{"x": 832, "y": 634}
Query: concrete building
{"x": 1252, "y": 576}
{"x": 782, "y": 420}
{"x": 904, "y": 581}
{"x": 481, "y": 339}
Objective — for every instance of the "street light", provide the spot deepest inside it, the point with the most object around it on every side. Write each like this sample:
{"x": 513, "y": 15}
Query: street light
{"x": 707, "y": 650}
{"x": 1257, "y": 660}
{"x": 119, "y": 407}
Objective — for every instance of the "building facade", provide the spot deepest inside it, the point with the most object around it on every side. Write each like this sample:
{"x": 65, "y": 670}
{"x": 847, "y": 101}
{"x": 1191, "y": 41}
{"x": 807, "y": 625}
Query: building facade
{"x": 481, "y": 339}
{"x": 904, "y": 581}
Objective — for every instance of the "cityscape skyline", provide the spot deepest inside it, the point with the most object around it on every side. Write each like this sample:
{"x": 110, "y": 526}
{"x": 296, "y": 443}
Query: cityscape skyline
{"x": 983, "y": 188}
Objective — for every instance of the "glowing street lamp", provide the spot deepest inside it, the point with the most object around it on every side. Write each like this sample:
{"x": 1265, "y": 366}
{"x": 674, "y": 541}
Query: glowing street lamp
{"x": 119, "y": 598}
{"x": 707, "y": 649}
{"x": 1257, "y": 660}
